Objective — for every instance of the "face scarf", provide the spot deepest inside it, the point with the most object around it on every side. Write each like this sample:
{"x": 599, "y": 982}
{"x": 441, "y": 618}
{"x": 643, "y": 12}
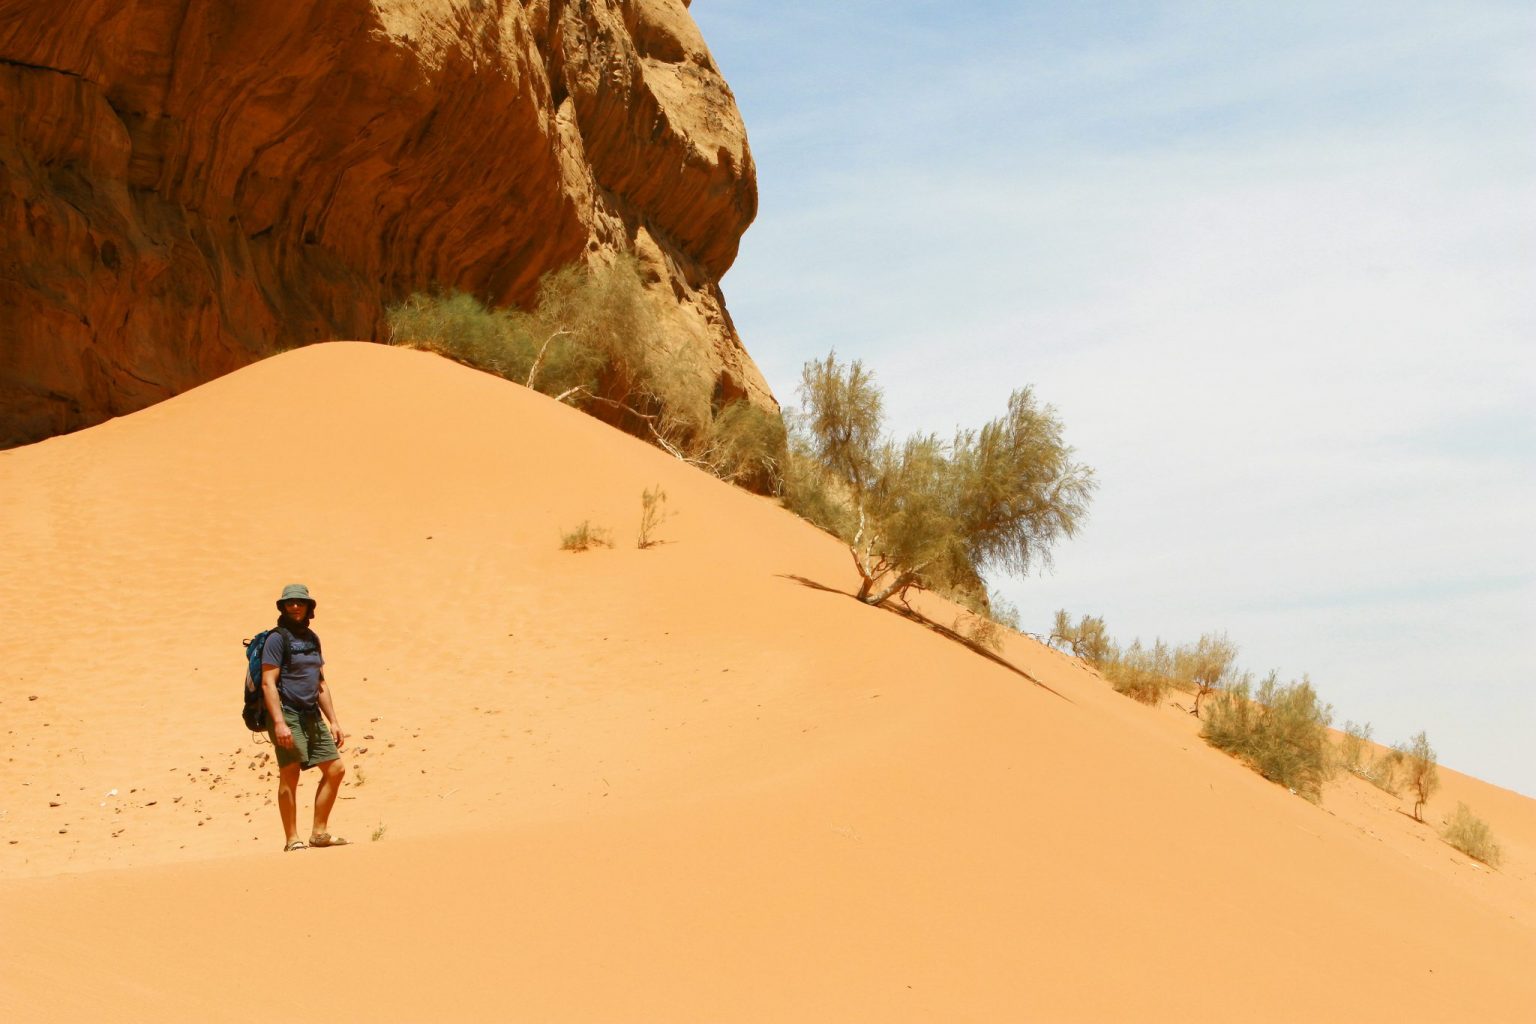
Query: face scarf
{"x": 300, "y": 629}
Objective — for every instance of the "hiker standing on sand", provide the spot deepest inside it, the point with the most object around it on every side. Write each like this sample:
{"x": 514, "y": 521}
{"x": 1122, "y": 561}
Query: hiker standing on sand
{"x": 293, "y": 686}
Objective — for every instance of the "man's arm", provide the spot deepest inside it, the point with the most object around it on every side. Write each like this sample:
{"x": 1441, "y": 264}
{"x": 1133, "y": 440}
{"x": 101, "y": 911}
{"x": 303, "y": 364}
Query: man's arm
{"x": 329, "y": 709}
{"x": 280, "y": 731}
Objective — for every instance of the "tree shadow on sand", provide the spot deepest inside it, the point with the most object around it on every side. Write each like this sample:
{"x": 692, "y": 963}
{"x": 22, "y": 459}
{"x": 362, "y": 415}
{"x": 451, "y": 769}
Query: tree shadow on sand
{"x": 912, "y": 614}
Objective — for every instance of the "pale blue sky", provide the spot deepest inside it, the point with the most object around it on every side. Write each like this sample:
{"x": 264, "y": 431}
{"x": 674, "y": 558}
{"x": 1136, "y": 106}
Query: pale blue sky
{"x": 1272, "y": 263}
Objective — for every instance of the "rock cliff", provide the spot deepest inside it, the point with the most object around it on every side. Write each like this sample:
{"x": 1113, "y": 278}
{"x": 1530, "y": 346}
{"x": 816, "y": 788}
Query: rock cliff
{"x": 189, "y": 185}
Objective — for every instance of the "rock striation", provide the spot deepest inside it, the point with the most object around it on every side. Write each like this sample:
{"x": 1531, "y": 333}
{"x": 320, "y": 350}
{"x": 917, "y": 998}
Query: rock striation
{"x": 189, "y": 185}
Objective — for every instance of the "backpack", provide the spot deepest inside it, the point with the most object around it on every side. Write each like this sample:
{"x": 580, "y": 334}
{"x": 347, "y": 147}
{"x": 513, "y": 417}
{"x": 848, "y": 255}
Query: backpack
{"x": 254, "y": 713}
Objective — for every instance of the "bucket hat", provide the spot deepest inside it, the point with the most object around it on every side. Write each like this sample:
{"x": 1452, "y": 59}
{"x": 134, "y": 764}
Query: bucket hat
{"x": 296, "y": 592}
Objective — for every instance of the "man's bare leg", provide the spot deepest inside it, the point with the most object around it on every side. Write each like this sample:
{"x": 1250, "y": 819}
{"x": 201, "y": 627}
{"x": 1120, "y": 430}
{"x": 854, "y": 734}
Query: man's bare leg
{"x": 287, "y": 791}
{"x": 331, "y": 774}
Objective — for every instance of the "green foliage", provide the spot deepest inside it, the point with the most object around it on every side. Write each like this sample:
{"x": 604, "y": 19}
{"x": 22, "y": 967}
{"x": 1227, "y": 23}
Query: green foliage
{"x": 585, "y": 537}
{"x": 1385, "y": 773}
{"x": 594, "y": 339}
{"x": 745, "y": 444}
{"x": 1353, "y": 747}
{"x": 1471, "y": 836}
{"x": 1088, "y": 638}
{"x": 585, "y": 339}
{"x": 843, "y": 419}
{"x": 461, "y": 327}
{"x": 986, "y": 617}
{"x": 1420, "y": 774}
{"x": 596, "y": 327}
{"x": 807, "y": 492}
{"x": 1005, "y": 613}
{"x": 652, "y": 514}
{"x": 929, "y": 513}
{"x": 1018, "y": 487}
{"x": 1207, "y": 665}
{"x": 1282, "y": 731}
{"x": 1144, "y": 673}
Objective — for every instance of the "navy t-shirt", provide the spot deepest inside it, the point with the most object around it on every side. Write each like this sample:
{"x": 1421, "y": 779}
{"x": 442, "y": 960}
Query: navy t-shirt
{"x": 298, "y": 682}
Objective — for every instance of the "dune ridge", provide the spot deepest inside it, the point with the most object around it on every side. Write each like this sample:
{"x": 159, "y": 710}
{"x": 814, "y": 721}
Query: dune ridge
{"x": 694, "y": 782}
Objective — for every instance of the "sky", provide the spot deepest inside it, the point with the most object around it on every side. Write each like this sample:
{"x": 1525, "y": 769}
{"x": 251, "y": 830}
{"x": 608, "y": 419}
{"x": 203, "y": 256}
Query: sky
{"x": 1274, "y": 267}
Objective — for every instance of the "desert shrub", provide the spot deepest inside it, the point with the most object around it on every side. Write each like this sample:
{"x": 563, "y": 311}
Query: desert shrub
{"x": 1088, "y": 638}
{"x": 594, "y": 338}
{"x": 1207, "y": 665}
{"x": 585, "y": 537}
{"x": 1353, "y": 746}
{"x": 930, "y": 513}
{"x": 1005, "y": 613}
{"x": 1471, "y": 835}
{"x": 747, "y": 445}
{"x": 1419, "y": 772}
{"x": 596, "y": 326}
{"x": 1385, "y": 772}
{"x": 1281, "y": 730}
{"x": 652, "y": 514}
{"x": 588, "y": 326}
{"x": 986, "y": 616}
{"x": 810, "y": 494}
{"x": 1144, "y": 673}
{"x": 461, "y": 327}
{"x": 979, "y": 629}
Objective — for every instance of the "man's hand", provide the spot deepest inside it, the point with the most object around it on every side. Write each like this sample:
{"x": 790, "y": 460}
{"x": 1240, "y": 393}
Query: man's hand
{"x": 283, "y": 735}
{"x": 338, "y": 735}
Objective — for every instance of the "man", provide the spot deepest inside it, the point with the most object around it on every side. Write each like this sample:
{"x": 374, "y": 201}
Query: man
{"x": 299, "y": 705}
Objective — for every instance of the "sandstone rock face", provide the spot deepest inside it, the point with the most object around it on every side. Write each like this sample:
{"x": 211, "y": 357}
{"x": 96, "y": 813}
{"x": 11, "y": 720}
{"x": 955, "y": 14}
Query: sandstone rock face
{"x": 189, "y": 185}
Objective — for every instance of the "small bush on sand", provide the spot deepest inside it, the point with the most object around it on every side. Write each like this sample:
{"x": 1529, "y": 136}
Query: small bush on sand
{"x": 1087, "y": 638}
{"x": 1282, "y": 731}
{"x": 1419, "y": 772}
{"x": 1353, "y": 746}
{"x": 986, "y": 617}
{"x": 1471, "y": 835}
{"x": 1207, "y": 665}
{"x": 585, "y": 537}
{"x": 595, "y": 338}
{"x": 980, "y": 630}
{"x": 1385, "y": 772}
{"x": 378, "y": 833}
{"x": 1144, "y": 673}
{"x": 745, "y": 445}
{"x": 652, "y": 514}
{"x": 460, "y": 327}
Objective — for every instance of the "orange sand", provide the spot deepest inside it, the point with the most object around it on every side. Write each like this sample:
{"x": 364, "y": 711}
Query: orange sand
{"x": 691, "y": 783}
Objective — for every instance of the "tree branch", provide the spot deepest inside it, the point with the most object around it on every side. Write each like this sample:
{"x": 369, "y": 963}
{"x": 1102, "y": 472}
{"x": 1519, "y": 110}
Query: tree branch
{"x": 533, "y": 371}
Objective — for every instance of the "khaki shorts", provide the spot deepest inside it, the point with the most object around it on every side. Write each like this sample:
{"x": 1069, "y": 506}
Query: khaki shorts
{"x": 312, "y": 740}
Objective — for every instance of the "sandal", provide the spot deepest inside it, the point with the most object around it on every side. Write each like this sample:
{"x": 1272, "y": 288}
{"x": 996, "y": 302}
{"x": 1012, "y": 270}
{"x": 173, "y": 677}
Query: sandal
{"x": 297, "y": 844}
{"x": 326, "y": 839}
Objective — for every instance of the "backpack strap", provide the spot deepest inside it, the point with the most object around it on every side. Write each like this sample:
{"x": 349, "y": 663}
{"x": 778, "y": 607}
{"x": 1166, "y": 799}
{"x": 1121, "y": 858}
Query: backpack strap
{"x": 287, "y": 642}
{"x": 288, "y": 639}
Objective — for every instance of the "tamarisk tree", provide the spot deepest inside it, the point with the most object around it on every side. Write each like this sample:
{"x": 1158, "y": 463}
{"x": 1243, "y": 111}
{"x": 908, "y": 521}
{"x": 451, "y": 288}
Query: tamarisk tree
{"x": 934, "y": 514}
{"x": 1207, "y": 665}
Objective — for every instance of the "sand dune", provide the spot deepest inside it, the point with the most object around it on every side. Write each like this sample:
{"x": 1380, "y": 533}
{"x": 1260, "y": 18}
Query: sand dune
{"x": 690, "y": 783}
